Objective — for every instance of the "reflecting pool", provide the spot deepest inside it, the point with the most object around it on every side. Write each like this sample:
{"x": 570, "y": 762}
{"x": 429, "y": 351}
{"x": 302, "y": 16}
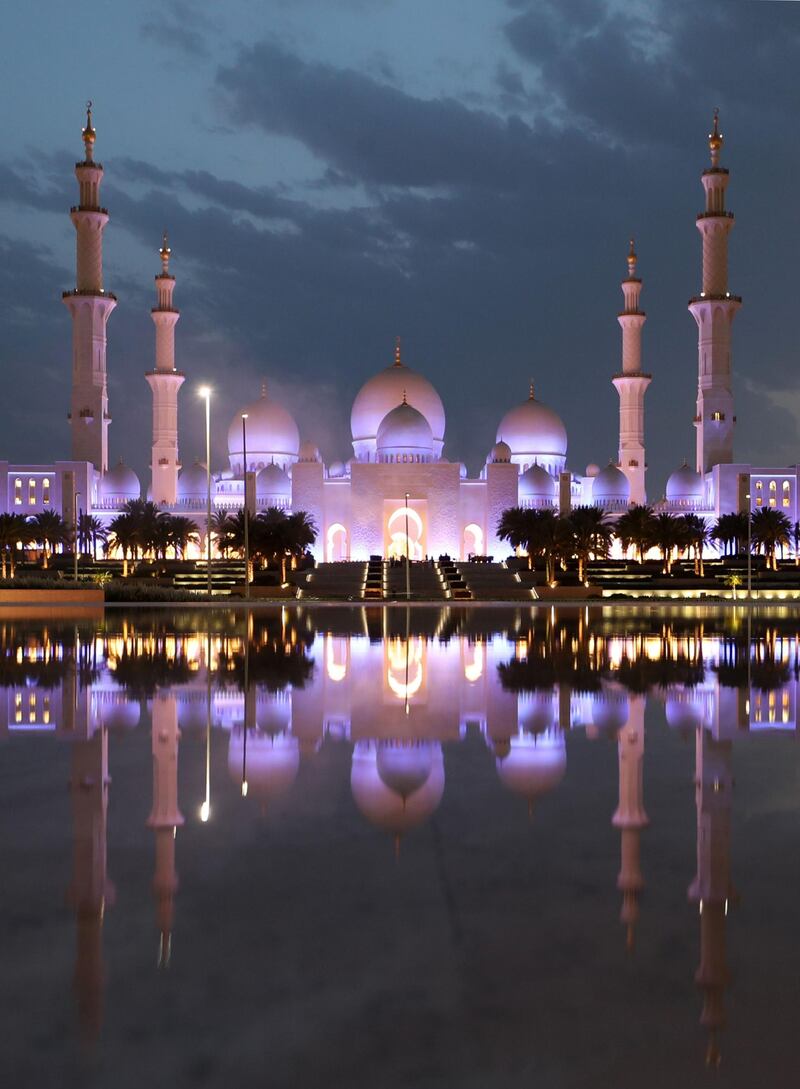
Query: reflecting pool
{"x": 400, "y": 847}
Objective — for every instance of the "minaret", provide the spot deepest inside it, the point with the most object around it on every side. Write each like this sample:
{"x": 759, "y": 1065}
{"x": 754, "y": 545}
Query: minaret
{"x": 630, "y": 816}
{"x": 165, "y": 816}
{"x": 91, "y": 890}
{"x": 631, "y": 385}
{"x": 165, "y": 382}
{"x": 713, "y": 310}
{"x": 89, "y": 304}
{"x": 712, "y": 889}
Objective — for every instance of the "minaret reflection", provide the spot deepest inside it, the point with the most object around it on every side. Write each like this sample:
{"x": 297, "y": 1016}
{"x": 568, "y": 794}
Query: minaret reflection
{"x": 90, "y": 889}
{"x": 630, "y": 816}
{"x": 712, "y": 889}
{"x": 165, "y": 816}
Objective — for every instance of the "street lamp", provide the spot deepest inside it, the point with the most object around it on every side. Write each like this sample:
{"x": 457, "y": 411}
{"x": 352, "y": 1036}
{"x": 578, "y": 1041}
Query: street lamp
{"x": 205, "y": 808}
{"x": 75, "y": 535}
{"x": 246, "y": 512}
{"x": 205, "y": 393}
{"x": 408, "y": 557}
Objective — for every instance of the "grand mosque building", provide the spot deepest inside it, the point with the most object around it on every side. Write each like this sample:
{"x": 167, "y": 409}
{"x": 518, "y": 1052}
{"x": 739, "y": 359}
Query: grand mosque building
{"x": 398, "y": 490}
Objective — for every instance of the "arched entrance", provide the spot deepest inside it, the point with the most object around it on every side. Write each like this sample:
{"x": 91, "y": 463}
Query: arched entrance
{"x": 336, "y": 543}
{"x": 473, "y": 541}
{"x": 405, "y": 532}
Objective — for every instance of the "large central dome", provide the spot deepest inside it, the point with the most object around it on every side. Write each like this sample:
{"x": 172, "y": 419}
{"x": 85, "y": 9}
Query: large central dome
{"x": 385, "y": 391}
{"x": 272, "y": 435}
{"x": 536, "y": 435}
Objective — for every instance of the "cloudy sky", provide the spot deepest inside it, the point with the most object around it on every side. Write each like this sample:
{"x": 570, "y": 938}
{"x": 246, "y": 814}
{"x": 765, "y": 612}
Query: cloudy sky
{"x": 464, "y": 173}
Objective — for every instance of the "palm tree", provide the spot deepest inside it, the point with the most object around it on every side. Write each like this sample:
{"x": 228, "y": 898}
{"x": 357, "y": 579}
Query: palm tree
{"x": 556, "y": 539}
{"x": 13, "y": 529}
{"x": 181, "y": 532}
{"x": 731, "y": 531}
{"x": 771, "y": 529}
{"x": 591, "y": 535}
{"x": 123, "y": 536}
{"x": 145, "y": 517}
{"x": 513, "y": 527}
{"x": 666, "y": 537}
{"x": 48, "y": 529}
{"x": 90, "y": 531}
{"x": 696, "y": 535}
{"x": 796, "y": 539}
{"x": 222, "y": 526}
{"x": 635, "y": 527}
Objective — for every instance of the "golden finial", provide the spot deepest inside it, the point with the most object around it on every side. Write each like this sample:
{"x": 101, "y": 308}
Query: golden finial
{"x": 715, "y": 139}
{"x": 531, "y": 396}
{"x": 88, "y": 133}
{"x": 397, "y": 360}
{"x": 631, "y": 258}
{"x": 264, "y": 388}
{"x": 165, "y": 252}
{"x": 405, "y": 402}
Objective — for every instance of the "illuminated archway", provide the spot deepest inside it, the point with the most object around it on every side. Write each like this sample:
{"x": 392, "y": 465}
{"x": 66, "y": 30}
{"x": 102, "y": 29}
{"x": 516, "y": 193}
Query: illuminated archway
{"x": 402, "y": 521}
{"x": 473, "y": 540}
{"x": 336, "y": 543}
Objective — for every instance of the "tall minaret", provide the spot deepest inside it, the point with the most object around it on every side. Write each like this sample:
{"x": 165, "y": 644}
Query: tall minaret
{"x": 89, "y": 304}
{"x": 165, "y": 382}
{"x": 712, "y": 889}
{"x": 631, "y": 385}
{"x": 713, "y": 310}
{"x": 630, "y": 816}
{"x": 165, "y": 816}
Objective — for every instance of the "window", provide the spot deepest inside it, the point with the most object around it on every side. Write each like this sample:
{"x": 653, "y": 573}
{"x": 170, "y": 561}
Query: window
{"x": 759, "y": 500}
{"x": 787, "y": 501}
{"x": 772, "y": 500}
{"x": 786, "y": 485}
{"x": 772, "y": 486}
{"x": 18, "y": 492}
{"x": 718, "y": 416}
{"x": 31, "y": 492}
{"x": 759, "y": 485}
{"x": 46, "y": 490}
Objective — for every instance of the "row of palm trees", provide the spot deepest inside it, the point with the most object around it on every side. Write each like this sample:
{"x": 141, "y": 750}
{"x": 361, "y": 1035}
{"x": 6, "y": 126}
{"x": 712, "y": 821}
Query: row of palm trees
{"x": 586, "y": 533}
{"x": 142, "y": 530}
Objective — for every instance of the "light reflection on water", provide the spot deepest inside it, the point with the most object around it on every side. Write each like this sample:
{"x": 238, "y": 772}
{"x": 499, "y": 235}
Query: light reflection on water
{"x": 395, "y": 696}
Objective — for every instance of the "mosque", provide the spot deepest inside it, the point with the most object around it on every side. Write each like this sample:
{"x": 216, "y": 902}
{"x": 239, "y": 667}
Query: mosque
{"x": 398, "y": 493}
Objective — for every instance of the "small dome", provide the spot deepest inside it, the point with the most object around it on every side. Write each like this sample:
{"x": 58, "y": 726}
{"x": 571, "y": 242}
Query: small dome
{"x": 462, "y": 470}
{"x": 611, "y": 486}
{"x": 685, "y": 486}
{"x": 271, "y": 434}
{"x": 193, "y": 482}
{"x": 501, "y": 451}
{"x": 120, "y": 484}
{"x": 536, "y": 712}
{"x": 536, "y": 483}
{"x": 273, "y": 483}
{"x": 116, "y": 712}
{"x": 535, "y": 765}
{"x": 404, "y": 766}
{"x": 592, "y": 470}
{"x": 381, "y": 393}
{"x": 610, "y": 711}
{"x": 404, "y": 430}
{"x": 535, "y": 434}
{"x": 684, "y": 710}
{"x": 386, "y": 807}
{"x": 308, "y": 452}
{"x": 336, "y": 469}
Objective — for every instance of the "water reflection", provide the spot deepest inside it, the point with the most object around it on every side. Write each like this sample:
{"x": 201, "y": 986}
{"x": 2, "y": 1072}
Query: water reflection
{"x": 398, "y": 689}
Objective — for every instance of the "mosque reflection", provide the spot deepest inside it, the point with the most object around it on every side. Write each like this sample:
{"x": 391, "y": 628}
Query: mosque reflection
{"x": 398, "y": 688}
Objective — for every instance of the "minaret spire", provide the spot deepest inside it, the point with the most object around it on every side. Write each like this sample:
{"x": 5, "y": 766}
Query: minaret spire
{"x": 398, "y": 362}
{"x": 714, "y": 310}
{"x": 165, "y": 816}
{"x": 631, "y": 384}
{"x": 90, "y": 305}
{"x": 630, "y": 816}
{"x": 165, "y": 381}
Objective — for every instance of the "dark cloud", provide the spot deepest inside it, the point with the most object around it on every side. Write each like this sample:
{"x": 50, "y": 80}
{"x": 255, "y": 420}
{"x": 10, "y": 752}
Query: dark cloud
{"x": 179, "y": 26}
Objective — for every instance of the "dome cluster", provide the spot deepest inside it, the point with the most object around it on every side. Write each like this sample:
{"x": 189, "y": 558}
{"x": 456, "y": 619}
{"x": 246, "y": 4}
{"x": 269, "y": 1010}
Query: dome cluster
{"x": 271, "y": 434}
{"x": 119, "y": 485}
{"x": 535, "y": 435}
{"x": 685, "y": 487}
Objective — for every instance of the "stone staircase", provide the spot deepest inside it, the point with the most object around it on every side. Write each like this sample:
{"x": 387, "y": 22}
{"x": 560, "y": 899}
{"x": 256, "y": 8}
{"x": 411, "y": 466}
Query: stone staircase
{"x": 424, "y": 578}
{"x": 225, "y": 574}
{"x": 342, "y": 581}
{"x": 493, "y": 582}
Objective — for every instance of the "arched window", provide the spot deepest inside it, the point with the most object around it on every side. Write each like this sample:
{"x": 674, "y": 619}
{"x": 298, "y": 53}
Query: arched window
{"x": 772, "y": 486}
{"x": 18, "y": 492}
{"x": 46, "y": 490}
{"x": 31, "y": 491}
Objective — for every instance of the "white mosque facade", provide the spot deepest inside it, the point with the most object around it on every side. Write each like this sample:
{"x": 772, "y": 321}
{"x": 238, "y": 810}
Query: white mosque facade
{"x": 398, "y": 490}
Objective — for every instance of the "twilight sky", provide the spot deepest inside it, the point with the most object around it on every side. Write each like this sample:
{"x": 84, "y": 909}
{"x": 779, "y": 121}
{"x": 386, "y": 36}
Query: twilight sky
{"x": 464, "y": 173}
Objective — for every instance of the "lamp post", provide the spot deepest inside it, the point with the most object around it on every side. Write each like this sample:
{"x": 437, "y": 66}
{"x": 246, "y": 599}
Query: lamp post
{"x": 205, "y": 808}
{"x": 749, "y": 552}
{"x": 408, "y": 557}
{"x": 205, "y": 393}
{"x": 246, "y": 514}
{"x": 75, "y": 536}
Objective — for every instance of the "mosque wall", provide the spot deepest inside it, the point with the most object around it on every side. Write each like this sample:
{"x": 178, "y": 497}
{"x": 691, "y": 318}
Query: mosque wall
{"x": 502, "y": 487}
{"x": 30, "y": 489}
{"x": 372, "y": 485}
